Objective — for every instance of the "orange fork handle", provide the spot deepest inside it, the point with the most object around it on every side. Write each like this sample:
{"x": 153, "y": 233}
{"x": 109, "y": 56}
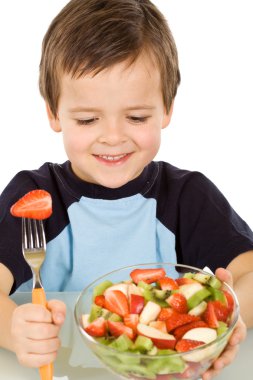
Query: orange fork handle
{"x": 39, "y": 297}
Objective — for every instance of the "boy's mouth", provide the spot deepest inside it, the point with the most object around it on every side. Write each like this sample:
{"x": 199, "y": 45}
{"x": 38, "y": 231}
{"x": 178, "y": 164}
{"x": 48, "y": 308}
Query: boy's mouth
{"x": 112, "y": 159}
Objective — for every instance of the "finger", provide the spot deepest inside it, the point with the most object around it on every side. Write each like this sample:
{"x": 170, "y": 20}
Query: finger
{"x": 32, "y": 313}
{"x": 210, "y": 374}
{"x": 239, "y": 333}
{"x": 58, "y": 310}
{"x": 36, "y": 360}
{"x": 43, "y": 347}
{"x": 226, "y": 358}
{"x": 224, "y": 275}
{"x": 38, "y": 331}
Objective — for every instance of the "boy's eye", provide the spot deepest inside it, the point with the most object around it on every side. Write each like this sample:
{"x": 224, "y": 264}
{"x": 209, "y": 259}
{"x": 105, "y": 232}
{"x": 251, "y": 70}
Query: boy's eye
{"x": 86, "y": 121}
{"x": 138, "y": 119}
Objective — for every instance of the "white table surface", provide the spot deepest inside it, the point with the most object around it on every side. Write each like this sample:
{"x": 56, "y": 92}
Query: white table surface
{"x": 75, "y": 361}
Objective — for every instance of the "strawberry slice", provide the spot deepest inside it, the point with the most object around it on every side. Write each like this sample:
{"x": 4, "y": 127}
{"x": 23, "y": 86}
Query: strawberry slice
{"x": 97, "y": 328}
{"x": 165, "y": 314}
{"x": 137, "y": 303}
{"x": 100, "y": 300}
{"x": 180, "y": 331}
{"x": 184, "y": 345}
{"x": 210, "y": 316}
{"x": 176, "y": 319}
{"x": 178, "y": 302}
{"x": 221, "y": 311}
{"x": 37, "y": 204}
{"x": 131, "y": 320}
{"x": 185, "y": 281}
{"x": 230, "y": 301}
{"x": 147, "y": 275}
{"x": 118, "y": 328}
{"x": 116, "y": 302}
{"x": 168, "y": 283}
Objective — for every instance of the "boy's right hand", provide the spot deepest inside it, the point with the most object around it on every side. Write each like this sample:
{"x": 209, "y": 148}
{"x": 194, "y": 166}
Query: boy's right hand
{"x": 35, "y": 330}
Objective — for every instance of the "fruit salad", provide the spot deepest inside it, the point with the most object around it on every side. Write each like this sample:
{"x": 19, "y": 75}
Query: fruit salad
{"x": 172, "y": 321}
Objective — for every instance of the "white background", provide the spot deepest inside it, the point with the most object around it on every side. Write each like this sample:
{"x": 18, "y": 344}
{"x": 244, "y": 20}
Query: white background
{"x": 211, "y": 129}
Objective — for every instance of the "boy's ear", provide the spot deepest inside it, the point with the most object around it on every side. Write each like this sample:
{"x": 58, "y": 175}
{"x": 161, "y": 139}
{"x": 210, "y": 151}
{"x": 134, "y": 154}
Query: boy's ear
{"x": 53, "y": 121}
{"x": 167, "y": 116}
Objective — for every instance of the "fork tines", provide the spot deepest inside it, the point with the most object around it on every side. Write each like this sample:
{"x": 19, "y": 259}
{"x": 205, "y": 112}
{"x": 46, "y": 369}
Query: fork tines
{"x": 33, "y": 233}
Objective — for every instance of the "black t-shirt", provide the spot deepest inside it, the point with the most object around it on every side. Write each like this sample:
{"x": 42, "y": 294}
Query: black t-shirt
{"x": 165, "y": 215}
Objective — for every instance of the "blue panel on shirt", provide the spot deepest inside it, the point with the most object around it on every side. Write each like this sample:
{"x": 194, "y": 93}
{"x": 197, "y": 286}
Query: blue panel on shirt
{"x": 128, "y": 225}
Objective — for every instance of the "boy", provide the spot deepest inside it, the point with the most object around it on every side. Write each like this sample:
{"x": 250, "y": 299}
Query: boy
{"x": 109, "y": 75}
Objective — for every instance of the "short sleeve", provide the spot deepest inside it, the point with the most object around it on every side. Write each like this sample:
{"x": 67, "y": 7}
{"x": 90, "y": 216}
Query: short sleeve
{"x": 210, "y": 232}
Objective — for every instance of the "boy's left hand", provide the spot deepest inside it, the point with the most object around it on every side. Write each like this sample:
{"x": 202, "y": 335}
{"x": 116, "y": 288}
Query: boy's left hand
{"x": 239, "y": 334}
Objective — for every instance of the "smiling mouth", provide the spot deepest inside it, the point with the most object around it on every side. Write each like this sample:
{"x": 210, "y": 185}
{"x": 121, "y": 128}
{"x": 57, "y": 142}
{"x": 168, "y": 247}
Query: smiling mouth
{"x": 112, "y": 159}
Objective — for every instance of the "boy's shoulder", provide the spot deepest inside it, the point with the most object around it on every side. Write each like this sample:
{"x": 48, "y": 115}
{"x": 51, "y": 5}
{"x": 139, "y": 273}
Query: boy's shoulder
{"x": 28, "y": 179}
{"x": 181, "y": 180}
{"x": 45, "y": 177}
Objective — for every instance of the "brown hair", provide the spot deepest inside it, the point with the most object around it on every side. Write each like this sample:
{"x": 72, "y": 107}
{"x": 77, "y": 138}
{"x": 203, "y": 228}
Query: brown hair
{"x": 91, "y": 35}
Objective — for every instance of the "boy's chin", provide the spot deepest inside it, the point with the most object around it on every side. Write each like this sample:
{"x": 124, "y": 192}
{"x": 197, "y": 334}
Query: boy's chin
{"x": 115, "y": 183}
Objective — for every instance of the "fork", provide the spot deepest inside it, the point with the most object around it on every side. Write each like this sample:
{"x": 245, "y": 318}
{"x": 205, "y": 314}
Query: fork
{"x": 34, "y": 252}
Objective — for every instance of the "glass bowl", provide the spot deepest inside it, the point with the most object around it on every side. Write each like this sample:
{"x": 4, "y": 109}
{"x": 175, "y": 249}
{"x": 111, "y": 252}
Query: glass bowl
{"x": 158, "y": 364}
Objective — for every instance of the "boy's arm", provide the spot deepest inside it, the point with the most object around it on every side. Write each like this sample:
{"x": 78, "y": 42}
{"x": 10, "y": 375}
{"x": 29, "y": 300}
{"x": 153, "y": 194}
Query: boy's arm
{"x": 7, "y": 306}
{"x": 241, "y": 269}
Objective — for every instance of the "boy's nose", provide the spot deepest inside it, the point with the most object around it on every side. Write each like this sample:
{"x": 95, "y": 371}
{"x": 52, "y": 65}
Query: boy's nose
{"x": 112, "y": 134}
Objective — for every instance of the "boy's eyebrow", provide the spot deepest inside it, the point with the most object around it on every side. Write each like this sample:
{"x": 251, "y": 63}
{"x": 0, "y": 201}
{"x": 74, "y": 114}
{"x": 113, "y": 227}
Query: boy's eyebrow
{"x": 82, "y": 109}
{"x": 140, "y": 107}
{"x": 92, "y": 109}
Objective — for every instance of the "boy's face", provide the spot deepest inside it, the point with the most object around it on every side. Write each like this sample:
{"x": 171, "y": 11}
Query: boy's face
{"x": 111, "y": 123}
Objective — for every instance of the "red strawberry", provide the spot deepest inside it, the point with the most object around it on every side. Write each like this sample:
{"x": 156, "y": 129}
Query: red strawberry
{"x": 116, "y": 302}
{"x": 147, "y": 275}
{"x": 180, "y": 331}
{"x": 178, "y": 302}
{"x": 176, "y": 319}
{"x": 165, "y": 314}
{"x": 37, "y": 204}
{"x": 137, "y": 303}
{"x": 131, "y": 320}
{"x": 100, "y": 300}
{"x": 210, "y": 315}
{"x": 221, "y": 311}
{"x": 184, "y": 345}
{"x": 230, "y": 300}
{"x": 185, "y": 281}
{"x": 118, "y": 328}
{"x": 97, "y": 328}
{"x": 168, "y": 283}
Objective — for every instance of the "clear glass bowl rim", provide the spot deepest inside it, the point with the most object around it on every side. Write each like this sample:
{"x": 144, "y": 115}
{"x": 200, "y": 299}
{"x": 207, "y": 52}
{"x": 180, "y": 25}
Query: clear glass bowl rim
{"x": 146, "y": 356}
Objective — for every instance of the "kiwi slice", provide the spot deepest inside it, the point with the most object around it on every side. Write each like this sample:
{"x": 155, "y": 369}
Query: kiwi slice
{"x": 100, "y": 288}
{"x": 95, "y": 312}
{"x": 218, "y": 295}
{"x": 222, "y": 328}
{"x": 166, "y": 365}
{"x": 122, "y": 343}
{"x": 149, "y": 296}
{"x": 202, "y": 278}
{"x": 143, "y": 344}
{"x": 214, "y": 282}
{"x": 198, "y": 297}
